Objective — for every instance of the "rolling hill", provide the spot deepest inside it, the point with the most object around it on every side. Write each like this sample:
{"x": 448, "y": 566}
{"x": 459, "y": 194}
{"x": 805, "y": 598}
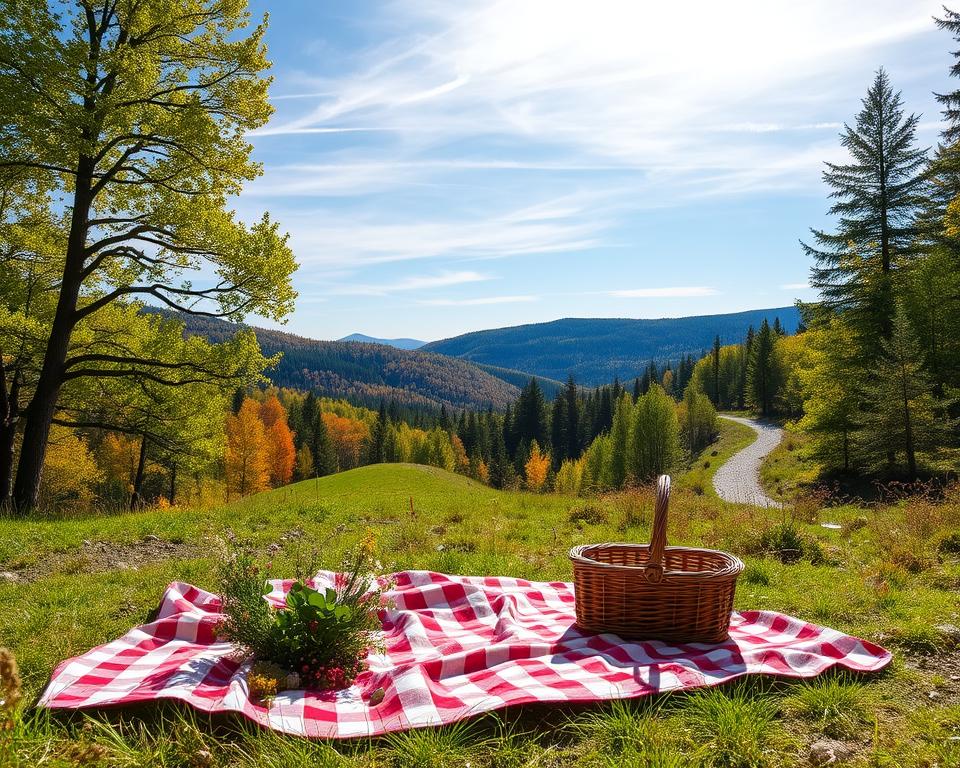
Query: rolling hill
{"x": 398, "y": 343}
{"x": 367, "y": 373}
{"x": 596, "y": 350}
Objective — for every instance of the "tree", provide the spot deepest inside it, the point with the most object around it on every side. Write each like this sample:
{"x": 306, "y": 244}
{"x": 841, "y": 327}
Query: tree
{"x": 716, "y": 370}
{"x": 620, "y": 434}
{"x": 655, "y": 439}
{"x": 831, "y": 383}
{"x": 877, "y": 197}
{"x": 902, "y": 417}
{"x": 304, "y": 465}
{"x": 247, "y": 458}
{"x": 324, "y": 452}
{"x": 537, "y": 467}
{"x": 134, "y": 113}
{"x": 281, "y": 451}
{"x": 698, "y": 420}
{"x": 530, "y": 416}
{"x": 763, "y": 371}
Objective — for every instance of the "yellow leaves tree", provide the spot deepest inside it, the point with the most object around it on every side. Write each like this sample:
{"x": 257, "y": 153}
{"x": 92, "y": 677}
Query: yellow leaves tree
{"x": 69, "y": 472}
{"x": 280, "y": 447}
{"x": 247, "y": 457}
{"x": 536, "y": 468}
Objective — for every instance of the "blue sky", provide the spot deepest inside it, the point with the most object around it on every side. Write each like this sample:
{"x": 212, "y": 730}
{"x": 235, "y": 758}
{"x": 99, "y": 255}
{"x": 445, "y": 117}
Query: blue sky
{"x": 450, "y": 166}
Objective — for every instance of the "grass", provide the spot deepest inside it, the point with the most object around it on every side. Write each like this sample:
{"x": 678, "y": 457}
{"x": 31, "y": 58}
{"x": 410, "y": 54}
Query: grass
{"x": 864, "y": 584}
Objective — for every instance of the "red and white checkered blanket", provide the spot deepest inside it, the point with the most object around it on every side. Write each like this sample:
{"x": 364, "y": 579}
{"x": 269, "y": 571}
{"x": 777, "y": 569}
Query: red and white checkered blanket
{"x": 456, "y": 646}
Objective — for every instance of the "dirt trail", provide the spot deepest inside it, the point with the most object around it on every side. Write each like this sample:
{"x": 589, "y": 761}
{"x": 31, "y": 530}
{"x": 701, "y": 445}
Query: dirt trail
{"x": 738, "y": 480}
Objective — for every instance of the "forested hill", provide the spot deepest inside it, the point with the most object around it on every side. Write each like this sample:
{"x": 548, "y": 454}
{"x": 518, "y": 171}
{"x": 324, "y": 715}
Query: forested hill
{"x": 596, "y": 350}
{"x": 367, "y": 373}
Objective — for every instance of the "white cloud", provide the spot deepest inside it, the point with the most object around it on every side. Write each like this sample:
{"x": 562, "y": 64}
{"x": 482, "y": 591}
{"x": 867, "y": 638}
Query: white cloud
{"x": 616, "y": 81}
{"x": 478, "y": 302}
{"x": 684, "y": 292}
{"x": 411, "y": 283}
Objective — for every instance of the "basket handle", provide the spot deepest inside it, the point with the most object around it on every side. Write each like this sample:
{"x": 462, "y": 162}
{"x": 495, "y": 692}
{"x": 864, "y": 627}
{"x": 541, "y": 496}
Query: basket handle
{"x": 658, "y": 537}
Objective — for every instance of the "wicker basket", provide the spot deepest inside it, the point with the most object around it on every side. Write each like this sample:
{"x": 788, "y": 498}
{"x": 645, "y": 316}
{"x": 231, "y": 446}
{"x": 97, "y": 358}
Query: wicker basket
{"x": 655, "y": 592}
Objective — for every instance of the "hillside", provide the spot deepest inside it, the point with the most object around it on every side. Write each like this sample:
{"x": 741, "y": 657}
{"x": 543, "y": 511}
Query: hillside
{"x": 368, "y": 373}
{"x": 595, "y": 350}
{"x": 82, "y": 581}
{"x": 398, "y": 343}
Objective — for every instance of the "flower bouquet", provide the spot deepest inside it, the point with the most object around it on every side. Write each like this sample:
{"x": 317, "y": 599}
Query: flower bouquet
{"x": 319, "y": 639}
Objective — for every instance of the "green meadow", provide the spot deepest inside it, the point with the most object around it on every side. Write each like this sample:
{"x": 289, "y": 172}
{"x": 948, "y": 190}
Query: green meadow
{"x": 890, "y": 573}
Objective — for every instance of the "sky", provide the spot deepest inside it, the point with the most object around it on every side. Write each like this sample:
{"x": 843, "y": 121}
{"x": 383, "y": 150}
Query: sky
{"x": 444, "y": 167}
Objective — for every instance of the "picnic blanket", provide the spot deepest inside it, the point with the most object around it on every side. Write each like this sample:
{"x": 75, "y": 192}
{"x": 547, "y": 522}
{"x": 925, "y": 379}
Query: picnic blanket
{"x": 456, "y": 646}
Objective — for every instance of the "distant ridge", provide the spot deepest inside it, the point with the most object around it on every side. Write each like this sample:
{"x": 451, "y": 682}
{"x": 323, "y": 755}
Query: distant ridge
{"x": 595, "y": 350}
{"x": 366, "y": 373}
{"x": 397, "y": 343}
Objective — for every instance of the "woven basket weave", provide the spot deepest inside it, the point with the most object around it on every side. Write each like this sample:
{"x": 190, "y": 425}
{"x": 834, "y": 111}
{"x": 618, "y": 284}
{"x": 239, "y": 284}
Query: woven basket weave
{"x": 652, "y": 591}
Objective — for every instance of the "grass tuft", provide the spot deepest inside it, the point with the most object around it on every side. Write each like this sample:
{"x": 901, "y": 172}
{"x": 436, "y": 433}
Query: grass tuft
{"x": 836, "y": 706}
{"x": 732, "y": 725}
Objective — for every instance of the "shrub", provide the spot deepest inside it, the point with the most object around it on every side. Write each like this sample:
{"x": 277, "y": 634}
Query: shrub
{"x": 784, "y": 542}
{"x": 950, "y": 545}
{"x": 589, "y": 514}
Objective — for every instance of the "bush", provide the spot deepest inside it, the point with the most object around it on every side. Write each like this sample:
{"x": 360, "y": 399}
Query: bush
{"x": 950, "y": 545}
{"x": 783, "y": 542}
{"x": 589, "y": 514}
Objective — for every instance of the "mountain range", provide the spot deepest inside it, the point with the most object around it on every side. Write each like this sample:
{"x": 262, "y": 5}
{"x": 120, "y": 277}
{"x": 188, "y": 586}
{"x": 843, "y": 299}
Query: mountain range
{"x": 595, "y": 350}
{"x": 487, "y": 368}
{"x": 398, "y": 343}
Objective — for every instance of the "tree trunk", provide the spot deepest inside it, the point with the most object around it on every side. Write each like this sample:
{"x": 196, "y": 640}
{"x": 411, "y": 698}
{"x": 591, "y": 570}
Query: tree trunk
{"x": 136, "y": 498}
{"x": 44, "y": 403}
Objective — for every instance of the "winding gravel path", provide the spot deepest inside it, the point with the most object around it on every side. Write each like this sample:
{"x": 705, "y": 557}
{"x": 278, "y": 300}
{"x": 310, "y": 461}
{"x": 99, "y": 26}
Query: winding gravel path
{"x": 738, "y": 480}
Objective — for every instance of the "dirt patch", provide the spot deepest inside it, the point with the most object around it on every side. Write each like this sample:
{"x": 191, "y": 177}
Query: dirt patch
{"x": 100, "y": 556}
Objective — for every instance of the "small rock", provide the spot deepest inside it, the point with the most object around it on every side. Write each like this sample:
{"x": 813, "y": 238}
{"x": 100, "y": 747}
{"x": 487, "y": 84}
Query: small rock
{"x": 151, "y": 537}
{"x": 87, "y": 543}
{"x": 950, "y": 632}
{"x": 202, "y": 758}
{"x": 822, "y": 753}
{"x": 123, "y": 565}
{"x": 440, "y": 548}
{"x": 933, "y": 695}
{"x": 9, "y": 576}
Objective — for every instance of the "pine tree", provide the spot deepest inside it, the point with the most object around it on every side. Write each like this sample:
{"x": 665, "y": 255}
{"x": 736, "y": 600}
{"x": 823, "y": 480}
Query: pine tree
{"x": 877, "y": 197}
{"x": 637, "y": 389}
{"x": 763, "y": 375}
{"x": 572, "y": 413}
{"x": 902, "y": 417}
{"x": 324, "y": 452}
{"x": 378, "y": 437}
{"x": 558, "y": 429}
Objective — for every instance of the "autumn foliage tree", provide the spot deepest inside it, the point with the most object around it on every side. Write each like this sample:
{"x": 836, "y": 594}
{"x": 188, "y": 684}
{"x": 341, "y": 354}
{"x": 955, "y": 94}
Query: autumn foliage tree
{"x": 247, "y": 458}
{"x": 536, "y": 468}
{"x": 280, "y": 446}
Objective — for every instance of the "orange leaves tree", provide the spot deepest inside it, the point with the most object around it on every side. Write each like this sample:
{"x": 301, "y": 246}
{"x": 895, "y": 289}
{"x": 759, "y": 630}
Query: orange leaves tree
{"x": 537, "y": 467}
{"x": 247, "y": 458}
{"x": 281, "y": 453}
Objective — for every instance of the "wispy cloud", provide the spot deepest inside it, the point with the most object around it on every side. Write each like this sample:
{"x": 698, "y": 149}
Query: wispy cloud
{"x": 484, "y": 300}
{"x": 412, "y": 283}
{"x": 679, "y": 292}
{"x": 795, "y": 287}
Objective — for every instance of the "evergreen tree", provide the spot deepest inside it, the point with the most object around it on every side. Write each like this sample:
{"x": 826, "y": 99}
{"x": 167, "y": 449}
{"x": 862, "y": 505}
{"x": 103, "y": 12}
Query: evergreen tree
{"x": 763, "y": 375}
{"x": 637, "y": 389}
{"x": 902, "y": 417}
{"x": 558, "y": 429}
{"x": 877, "y": 197}
{"x": 572, "y": 414}
{"x": 323, "y": 449}
{"x": 378, "y": 437}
